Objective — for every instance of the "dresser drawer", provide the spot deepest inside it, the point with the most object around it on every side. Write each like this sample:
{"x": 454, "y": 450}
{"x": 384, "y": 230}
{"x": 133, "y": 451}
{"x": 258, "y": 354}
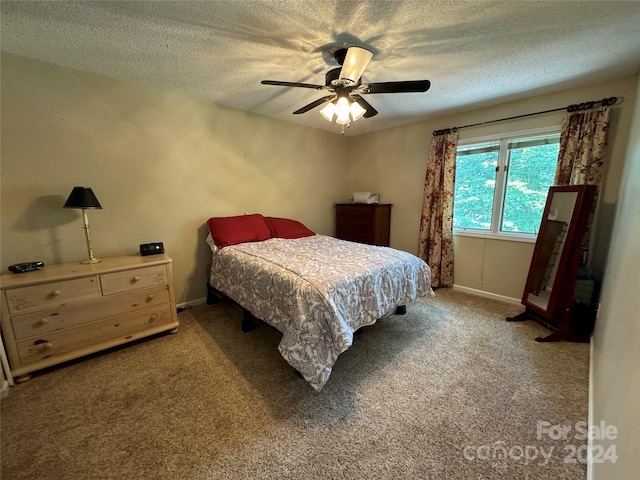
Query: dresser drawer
{"x": 354, "y": 211}
{"x": 119, "y": 282}
{"x": 354, "y": 235}
{"x": 355, "y": 222}
{"x": 59, "y": 343}
{"x": 67, "y": 316}
{"x": 50, "y": 295}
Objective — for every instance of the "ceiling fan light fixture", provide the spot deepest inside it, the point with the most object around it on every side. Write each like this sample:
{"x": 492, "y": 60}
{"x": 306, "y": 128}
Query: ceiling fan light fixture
{"x": 328, "y": 111}
{"x": 342, "y": 111}
{"x": 356, "y": 111}
{"x": 354, "y": 64}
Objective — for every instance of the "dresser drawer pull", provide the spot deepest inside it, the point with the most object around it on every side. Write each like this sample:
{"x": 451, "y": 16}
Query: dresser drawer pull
{"x": 154, "y": 317}
{"x": 150, "y": 297}
{"x": 42, "y": 321}
{"x": 44, "y": 345}
{"x": 136, "y": 278}
{"x": 56, "y": 293}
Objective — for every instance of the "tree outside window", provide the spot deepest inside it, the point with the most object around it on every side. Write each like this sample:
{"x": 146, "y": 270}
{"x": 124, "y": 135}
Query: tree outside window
{"x": 501, "y": 185}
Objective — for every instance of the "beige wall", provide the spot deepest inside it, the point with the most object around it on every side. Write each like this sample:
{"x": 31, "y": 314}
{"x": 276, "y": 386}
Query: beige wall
{"x": 393, "y": 162}
{"x": 160, "y": 164}
{"x": 616, "y": 340}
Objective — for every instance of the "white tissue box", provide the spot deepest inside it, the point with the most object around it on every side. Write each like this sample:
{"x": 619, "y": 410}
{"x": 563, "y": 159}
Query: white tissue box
{"x": 366, "y": 197}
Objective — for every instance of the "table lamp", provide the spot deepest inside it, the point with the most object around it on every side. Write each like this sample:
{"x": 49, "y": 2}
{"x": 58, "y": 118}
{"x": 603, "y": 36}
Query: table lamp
{"x": 84, "y": 198}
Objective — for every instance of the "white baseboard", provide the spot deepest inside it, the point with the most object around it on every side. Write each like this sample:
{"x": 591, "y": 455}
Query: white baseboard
{"x": 473, "y": 291}
{"x": 590, "y": 418}
{"x": 482, "y": 293}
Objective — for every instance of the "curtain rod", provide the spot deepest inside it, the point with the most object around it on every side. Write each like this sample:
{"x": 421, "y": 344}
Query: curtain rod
{"x": 571, "y": 108}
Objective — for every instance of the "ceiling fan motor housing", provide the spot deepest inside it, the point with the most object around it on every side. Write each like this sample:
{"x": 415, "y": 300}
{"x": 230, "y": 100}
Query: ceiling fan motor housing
{"x": 331, "y": 75}
{"x": 340, "y": 55}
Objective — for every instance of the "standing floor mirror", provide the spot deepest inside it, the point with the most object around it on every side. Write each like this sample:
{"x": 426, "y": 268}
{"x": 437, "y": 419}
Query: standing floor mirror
{"x": 549, "y": 290}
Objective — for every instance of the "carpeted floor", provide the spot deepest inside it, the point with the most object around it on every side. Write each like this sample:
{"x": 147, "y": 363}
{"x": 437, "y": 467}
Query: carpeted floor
{"x": 448, "y": 391}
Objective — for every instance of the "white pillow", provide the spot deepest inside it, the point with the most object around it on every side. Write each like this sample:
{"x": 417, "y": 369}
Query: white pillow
{"x": 211, "y": 244}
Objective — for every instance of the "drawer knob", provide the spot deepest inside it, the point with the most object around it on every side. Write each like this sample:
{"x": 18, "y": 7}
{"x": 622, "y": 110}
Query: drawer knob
{"x": 56, "y": 293}
{"x": 45, "y": 346}
{"x": 150, "y": 297}
{"x": 154, "y": 317}
{"x": 136, "y": 278}
{"x": 42, "y": 321}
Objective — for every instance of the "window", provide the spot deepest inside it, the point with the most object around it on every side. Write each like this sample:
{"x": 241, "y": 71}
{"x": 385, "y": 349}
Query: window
{"x": 502, "y": 183}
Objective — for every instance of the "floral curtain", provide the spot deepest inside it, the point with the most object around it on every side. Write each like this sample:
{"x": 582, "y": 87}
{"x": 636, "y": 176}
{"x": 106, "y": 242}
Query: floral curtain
{"x": 436, "y": 222}
{"x": 582, "y": 146}
{"x": 583, "y": 142}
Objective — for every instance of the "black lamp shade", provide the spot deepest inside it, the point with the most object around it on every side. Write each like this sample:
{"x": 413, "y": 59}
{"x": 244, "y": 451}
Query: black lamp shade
{"x": 82, "y": 197}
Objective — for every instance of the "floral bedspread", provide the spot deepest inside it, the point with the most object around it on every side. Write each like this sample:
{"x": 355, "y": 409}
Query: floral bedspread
{"x": 317, "y": 291}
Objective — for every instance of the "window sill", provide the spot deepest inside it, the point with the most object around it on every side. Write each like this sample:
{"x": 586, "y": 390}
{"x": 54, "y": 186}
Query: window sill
{"x": 513, "y": 237}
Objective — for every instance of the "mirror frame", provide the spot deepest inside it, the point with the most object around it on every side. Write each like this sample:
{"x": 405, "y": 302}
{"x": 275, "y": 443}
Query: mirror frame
{"x": 558, "y": 311}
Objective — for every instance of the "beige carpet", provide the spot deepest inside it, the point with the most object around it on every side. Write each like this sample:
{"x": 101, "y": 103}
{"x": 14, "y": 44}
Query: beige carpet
{"x": 448, "y": 391}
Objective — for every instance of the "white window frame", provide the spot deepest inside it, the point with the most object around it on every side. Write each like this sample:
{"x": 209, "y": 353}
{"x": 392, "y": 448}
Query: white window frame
{"x": 499, "y": 189}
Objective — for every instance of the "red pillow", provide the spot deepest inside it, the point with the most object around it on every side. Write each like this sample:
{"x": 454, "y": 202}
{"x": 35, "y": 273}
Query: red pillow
{"x": 285, "y": 228}
{"x": 227, "y": 231}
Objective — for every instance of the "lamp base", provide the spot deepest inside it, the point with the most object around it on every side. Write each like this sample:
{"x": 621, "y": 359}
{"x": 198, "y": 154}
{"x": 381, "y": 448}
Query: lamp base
{"x": 90, "y": 261}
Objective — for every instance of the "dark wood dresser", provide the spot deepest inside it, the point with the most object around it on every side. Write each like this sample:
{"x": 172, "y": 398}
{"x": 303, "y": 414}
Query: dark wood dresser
{"x": 364, "y": 223}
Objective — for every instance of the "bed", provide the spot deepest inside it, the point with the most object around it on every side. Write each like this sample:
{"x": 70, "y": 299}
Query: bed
{"x": 316, "y": 290}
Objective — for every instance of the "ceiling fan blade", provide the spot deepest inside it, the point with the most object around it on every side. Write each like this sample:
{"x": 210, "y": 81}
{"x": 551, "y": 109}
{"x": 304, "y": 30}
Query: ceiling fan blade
{"x": 312, "y": 105}
{"x": 354, "y": 64}
{"x": 370, "y": 111}
{"x": 399, "y": 87}
{"x": 293, "y": 84}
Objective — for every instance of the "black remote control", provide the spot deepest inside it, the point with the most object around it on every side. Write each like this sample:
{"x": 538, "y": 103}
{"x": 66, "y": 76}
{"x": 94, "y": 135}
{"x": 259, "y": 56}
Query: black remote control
{"x": 26, "y": 267}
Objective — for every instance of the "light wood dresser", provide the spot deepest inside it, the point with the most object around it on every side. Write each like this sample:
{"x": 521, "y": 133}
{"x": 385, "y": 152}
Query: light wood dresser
{"x": 69, "y": 310}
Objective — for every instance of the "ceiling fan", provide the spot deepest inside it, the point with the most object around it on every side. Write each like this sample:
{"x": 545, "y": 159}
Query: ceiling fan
{"x": 346, "y": 102}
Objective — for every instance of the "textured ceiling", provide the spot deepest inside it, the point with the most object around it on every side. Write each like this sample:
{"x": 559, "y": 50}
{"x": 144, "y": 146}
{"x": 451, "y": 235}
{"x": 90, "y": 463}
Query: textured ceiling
{"x": 474, "y": 52}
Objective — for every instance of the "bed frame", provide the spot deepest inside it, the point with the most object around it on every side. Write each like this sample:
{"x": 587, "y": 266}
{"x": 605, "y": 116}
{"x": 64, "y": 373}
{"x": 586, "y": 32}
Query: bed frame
{"x": 249, "y": 321}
